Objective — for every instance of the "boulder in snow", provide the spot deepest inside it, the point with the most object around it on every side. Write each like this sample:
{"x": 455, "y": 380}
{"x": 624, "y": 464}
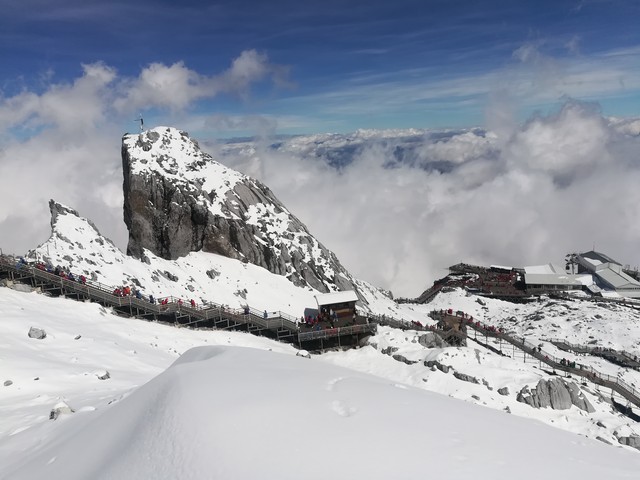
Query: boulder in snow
{"x": 555, "y": 393}
{"x": 61, "y": 408}
{"x": 7, "y": 383}
{"x": 37, "y": 333}
{"x": 103, "y": 375}
{"x": 431, "y": 340}
{"x": 434, "y": 364}
{"x": 303, "y": 353}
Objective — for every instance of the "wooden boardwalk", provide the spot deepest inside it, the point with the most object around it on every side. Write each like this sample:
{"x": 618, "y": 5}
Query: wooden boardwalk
{"x": 628, "y": 392}
{"x": 620, "y": 358}
{"x": 276, "y": 325}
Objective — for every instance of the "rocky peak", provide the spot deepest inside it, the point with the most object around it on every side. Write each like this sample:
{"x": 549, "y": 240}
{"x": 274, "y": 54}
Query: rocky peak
{"x": 75, "y": 242}
{"x": 67, "y": 222}
{"x": 178, "y": 199}
{"x": 58, "y": 209}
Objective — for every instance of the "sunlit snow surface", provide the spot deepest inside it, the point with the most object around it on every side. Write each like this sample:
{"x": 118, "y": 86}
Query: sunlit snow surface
{"x": 222, "y": 411}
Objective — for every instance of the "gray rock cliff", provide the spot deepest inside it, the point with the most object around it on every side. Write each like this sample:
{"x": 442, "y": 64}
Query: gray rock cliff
{"x": 177, "y": 199}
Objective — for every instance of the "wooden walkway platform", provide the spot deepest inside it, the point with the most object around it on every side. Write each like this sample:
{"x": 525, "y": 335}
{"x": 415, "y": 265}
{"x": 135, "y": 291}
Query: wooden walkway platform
{"x": 620, "y": 358}
{"x": 277, "y": 325}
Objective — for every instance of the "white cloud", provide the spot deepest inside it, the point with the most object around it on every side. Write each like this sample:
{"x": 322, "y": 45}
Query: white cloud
{"x": 64, "y": 142}
{"x": 67, "y": 107}
{"x": 557, "y": 184}
{"x": 176, "y": 87}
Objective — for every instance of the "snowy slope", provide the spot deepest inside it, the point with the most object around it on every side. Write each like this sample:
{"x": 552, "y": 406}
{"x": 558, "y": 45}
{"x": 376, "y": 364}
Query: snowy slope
{"x": 77, "y": 245}
{"x": 216, "y": 407}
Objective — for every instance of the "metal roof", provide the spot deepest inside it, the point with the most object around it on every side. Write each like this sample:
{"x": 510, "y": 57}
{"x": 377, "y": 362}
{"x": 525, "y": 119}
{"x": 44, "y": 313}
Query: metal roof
{"x": 554, "y": 279}
{"x": 540, "y": 269}
{"x": 600, "y": 257}
{"x": 336, "y": 297}
{"x": 614, "y": 277}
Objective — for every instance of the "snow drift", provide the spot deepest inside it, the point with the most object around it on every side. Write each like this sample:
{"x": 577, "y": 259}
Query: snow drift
{"x": 225, "y": 412}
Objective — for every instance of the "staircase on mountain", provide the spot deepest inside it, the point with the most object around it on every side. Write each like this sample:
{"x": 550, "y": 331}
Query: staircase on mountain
{"x": 278, "y": 325}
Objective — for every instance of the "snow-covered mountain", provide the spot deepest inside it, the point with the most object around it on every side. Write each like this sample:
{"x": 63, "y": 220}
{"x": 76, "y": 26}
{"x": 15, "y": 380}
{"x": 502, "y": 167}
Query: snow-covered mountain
{"x": 77, "y": 245}
{"x": 178, "y": 200}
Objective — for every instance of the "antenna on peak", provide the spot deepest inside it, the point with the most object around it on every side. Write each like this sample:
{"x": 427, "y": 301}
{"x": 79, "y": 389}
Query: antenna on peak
{"x": 141, "y": 120}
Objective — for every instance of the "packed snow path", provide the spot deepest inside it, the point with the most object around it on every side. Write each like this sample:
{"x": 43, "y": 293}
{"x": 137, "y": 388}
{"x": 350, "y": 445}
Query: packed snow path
{"x": 280, "y": 326}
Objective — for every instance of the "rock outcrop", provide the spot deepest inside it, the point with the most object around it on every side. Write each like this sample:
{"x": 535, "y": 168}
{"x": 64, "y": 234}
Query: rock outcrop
{"x": 37, "y": 333}
{"x": 631, "y": 441}
{"x": 555, "y": 393}
{"x": 177, "y": 200}
{"x": 61, "y": 408}
{"x": 431, "y": 340}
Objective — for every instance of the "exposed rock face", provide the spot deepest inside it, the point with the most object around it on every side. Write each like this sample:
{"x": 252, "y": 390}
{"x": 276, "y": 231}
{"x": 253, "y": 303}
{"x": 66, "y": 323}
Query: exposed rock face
{"x": 557, "y": 394}
{"x": 631, "y": 441}
{"x": 434, "y": 364}
{"x": 465, "y": 378}
{"x": 177, "y": 199}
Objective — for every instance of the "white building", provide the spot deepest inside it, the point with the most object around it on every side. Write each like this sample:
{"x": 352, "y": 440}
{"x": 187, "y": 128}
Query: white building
{"x": 608, "y": 274}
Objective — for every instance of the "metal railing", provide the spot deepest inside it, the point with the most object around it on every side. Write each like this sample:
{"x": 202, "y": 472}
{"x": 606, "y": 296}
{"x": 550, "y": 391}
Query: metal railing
{"x": 337, "y": 332}
{"x": 620, "y": 356}
{"x": 283, "y": 324}
{"x": 616, "y": 384}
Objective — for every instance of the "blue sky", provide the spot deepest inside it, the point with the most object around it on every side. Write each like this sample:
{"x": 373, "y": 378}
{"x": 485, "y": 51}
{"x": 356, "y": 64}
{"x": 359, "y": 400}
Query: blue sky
{"x": 341, "y": 65}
